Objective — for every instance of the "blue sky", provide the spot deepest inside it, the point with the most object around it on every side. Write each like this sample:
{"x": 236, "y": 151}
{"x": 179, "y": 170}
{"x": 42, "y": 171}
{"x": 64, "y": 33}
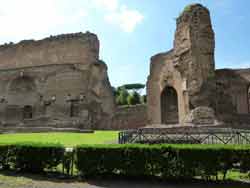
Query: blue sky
{"x": 130, "y": 31}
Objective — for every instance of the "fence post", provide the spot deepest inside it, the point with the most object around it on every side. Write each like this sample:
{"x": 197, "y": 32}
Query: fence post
{"x": 68, "y": 161}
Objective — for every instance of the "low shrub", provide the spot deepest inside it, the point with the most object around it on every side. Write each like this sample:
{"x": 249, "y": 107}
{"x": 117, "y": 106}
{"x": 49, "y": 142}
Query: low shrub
{"x": 4, "y": 152}
{"x": 32, "y": 157}
{"x": 166, "y": 161}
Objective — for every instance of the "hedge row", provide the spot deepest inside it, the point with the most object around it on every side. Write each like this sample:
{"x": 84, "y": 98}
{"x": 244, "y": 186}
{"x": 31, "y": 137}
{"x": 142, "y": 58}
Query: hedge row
{"x": 166, "y": 161}
{"x": 31, "y": 157}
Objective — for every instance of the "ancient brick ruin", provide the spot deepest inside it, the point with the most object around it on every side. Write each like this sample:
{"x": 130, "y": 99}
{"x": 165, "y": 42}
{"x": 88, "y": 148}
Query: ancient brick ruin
{"x": 60, "y": 82}
{"x": 183, "y": 85}
{"x": 55, "y": 82}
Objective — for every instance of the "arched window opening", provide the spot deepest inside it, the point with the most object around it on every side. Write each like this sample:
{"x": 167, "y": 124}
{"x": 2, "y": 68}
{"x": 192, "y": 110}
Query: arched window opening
{"x": 23, "y": 84}
{"x": 74, "y": 109}
{"x": 22, "y": 91}
{"x": 169, "y": 106}
{"x": 27, "y": 112}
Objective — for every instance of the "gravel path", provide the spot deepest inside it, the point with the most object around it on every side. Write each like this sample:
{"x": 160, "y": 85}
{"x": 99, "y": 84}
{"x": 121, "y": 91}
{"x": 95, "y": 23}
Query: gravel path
{"x": 108, "y": 184}
{"x": 41, "y": 182}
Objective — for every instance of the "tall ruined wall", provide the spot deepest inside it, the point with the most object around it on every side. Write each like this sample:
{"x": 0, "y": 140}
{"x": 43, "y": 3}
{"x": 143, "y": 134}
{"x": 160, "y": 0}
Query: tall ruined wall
{"x": 25, "y": 87}
{"x": 187, "y": 69}
{"x": 194, "y": 54}
{"x": 64, "y": 67}
{"x": 162, "y": 75}
{"x": 62, "y": 49}
{"x": 243, "y": 73}
{"x": 232, "y": 90}
{"x": 154, "y": 87}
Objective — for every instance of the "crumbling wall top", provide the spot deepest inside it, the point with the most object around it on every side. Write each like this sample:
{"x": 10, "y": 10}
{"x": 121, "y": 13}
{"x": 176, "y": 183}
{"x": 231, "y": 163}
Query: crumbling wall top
{"x": 61, "y": 49}
{"x": 62, "y": 37}
{"x": 191, "y": 10}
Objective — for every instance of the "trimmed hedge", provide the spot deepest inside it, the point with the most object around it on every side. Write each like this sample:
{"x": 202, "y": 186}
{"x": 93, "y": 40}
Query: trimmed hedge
{"x": 4, "y": 151}
{"x": 166, "y": 161}
{"x": 31, "y": 157}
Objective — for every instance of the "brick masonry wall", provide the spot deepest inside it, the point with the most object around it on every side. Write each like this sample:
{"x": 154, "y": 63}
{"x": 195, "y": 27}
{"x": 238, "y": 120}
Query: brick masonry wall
{"x": 62, "y": 49}
{"x": 129, "y": 117}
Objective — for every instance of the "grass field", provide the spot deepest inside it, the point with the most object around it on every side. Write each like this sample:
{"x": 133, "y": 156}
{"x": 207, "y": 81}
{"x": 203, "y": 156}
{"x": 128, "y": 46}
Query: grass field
{"x": 67, "y": 139}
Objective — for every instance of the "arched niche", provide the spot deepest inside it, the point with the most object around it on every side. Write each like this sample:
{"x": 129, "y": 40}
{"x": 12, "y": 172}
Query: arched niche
{"x": 169, "y": 106}
{"x": 27, "y": 112}
{"x": 22, "y": 91}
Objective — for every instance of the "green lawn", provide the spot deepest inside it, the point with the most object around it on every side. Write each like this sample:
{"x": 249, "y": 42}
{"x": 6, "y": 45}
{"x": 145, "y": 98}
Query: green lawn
{"x": 67, "y": 139}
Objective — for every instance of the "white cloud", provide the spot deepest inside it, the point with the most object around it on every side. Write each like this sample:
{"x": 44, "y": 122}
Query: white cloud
{"x": 110, "y": 5}
{"x": 119, "y": 14}
{"x": 126, "y": 19}
{"x": 78, "y": 16}
{"x": 25, "y": 19}
{"x": 33, "y": 19}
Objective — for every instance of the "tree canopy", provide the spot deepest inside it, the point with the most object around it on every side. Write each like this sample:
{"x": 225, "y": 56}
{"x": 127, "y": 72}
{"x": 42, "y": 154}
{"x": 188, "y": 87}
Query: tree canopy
{"x": 135, "y": 86}
{"x": 129, "y": 94}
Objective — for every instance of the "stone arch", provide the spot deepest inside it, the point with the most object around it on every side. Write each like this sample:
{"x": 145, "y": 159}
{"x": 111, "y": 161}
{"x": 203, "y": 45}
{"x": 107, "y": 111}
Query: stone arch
{"x": 169, "y": 106}
{"x": 22, "y": 91}
{"x": 22, "y": 83}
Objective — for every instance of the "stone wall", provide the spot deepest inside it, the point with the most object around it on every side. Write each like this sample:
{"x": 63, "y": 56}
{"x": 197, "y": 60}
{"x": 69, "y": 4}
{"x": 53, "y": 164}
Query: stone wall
{"x": 62, "y": 49}
{"x": 127, "y": 117}
{"x": 194, "y": 54}
{"x": 188, "y": 68}
{"x": 232, "y": 89}
{"x": 63, "y": 67}
{"x": 66, "y": 68}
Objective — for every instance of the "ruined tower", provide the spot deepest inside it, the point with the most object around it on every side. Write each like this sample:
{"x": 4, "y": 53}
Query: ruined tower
{"x": 182, "y": 79}
{"x": 194, "y": 54}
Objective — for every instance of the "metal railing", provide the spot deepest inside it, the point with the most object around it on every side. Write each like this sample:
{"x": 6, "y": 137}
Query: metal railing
{"x": 192, "y": 136}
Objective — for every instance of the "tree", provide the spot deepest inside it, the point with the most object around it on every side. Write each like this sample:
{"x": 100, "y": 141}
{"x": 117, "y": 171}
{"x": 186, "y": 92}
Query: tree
{"x": 129, "y": 94}
{"x": 136, "y": 86}
{"x": 121, "y": 96}
{"x": 134, "y": 98}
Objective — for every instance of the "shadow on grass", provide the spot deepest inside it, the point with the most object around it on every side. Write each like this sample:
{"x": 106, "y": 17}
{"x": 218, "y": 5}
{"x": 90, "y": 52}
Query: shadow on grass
{"x": 126, "y": 182}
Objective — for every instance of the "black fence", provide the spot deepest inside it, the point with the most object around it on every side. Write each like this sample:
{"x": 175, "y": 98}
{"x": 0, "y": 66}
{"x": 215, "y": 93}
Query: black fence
{"x": 188, "y": 136}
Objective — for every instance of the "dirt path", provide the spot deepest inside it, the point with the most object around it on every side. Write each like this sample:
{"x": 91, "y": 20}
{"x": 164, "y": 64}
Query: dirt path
{"x": 41, "y": 182}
